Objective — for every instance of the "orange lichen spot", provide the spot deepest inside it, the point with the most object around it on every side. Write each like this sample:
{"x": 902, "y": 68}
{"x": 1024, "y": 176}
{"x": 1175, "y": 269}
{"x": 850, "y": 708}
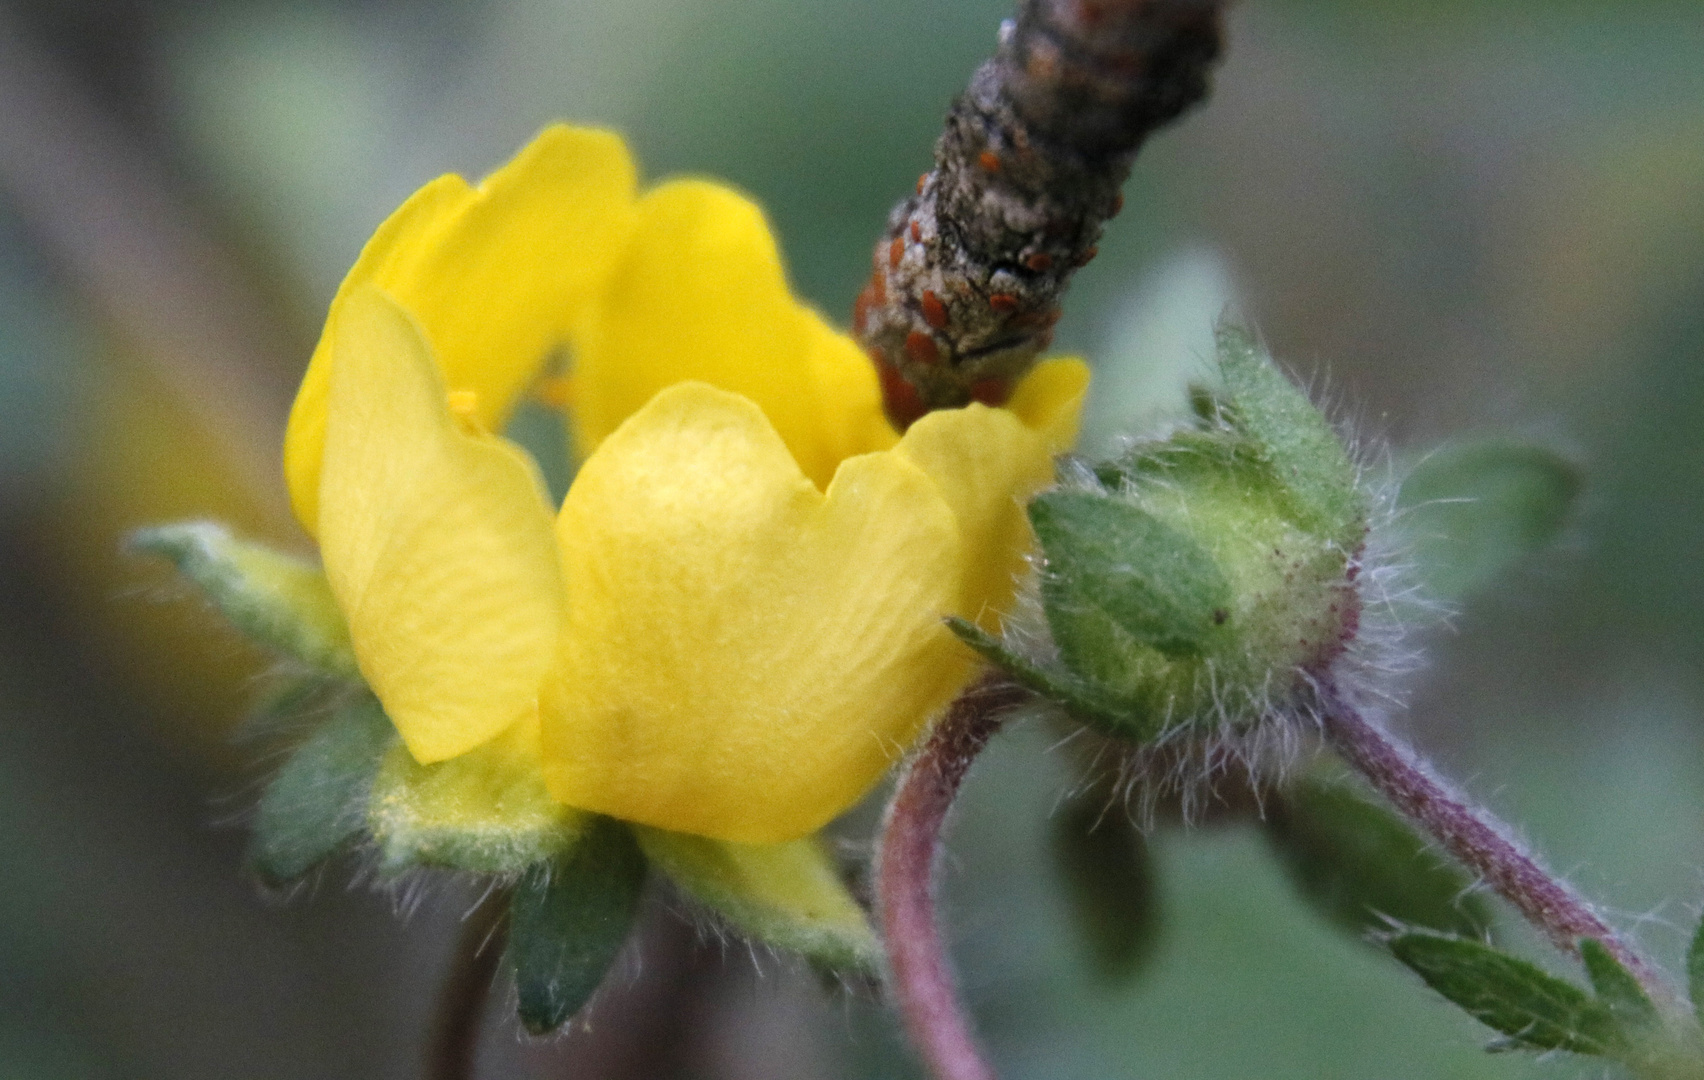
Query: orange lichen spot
{"x": 878, "y": 288}
{"x": 861, "y": 308}
{"x": 900, "y": 399}
{"x": 922, "y": 179}
{"x": 1004, "y": 303}
{"x": 555, "y": 391}
{"x": 1039, "y": 262}
{"x": 916, "y": 232}
{"x": 922, "y": 348}
{"x": 896, "y": 252}
{"x": 934, "y": 312}
{"x": 992, "y": 392}
{"x": 1088, "y": 256}
{"x": 989, "y": 160}
{"x": 1117, "y": 203}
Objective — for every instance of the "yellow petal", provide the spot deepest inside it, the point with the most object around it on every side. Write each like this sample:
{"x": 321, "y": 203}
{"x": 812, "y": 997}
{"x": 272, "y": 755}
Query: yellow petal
{"x": 700, "y": 294}
{"x": 744, "y": 655}
{"x": 1050, "y": 400}
{"x": 496, "y": 276}
{"x": 486, "y": 810}
{"x": 848, "y": 398}
{"x": 438, "y": 544}
{"x": 987, "y": 464}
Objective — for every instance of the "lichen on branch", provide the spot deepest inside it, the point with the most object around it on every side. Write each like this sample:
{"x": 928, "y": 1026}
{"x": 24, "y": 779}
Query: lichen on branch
{"x": 967, "y": 278}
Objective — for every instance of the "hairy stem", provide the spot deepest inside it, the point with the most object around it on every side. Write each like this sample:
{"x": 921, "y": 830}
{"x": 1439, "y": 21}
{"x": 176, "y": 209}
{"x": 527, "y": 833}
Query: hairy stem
{"x": 1477, "y": 839}
{"x": 910, "y": 849}
{"x": 966, "y": 280}
{"x": 453, "y": 1045}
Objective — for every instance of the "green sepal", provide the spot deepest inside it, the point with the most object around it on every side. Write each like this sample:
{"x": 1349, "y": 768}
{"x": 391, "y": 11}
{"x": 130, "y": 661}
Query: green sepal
{"x": 486, "y": 811}
{"x": 317, "y": 803}
{"x": 1363, "y": 867}
{"x": 1473, "y": 509}
{"x": 568, "y": 919}
{"x": 1616, "y": 987}
{"x": 1531, "y": 1008}
{"x": 1108, "y": 876}
{"x": 1295, "y": 439}
{"x": 278, "y": 601}
{"x": 1059, "y": 686}
{"x": 786, "y": 895}
{"x": 1118, "y": 575}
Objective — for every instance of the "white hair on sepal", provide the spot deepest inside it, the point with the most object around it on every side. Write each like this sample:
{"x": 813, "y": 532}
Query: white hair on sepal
{"x": 1246, "y": 741}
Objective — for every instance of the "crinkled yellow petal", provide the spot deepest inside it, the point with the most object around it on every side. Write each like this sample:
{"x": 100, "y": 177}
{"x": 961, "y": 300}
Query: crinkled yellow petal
{"x": 1049, "y": 400}
{"x": 438, "y": 544}
{"x": 744, "y": 655}
{"x": 486, "y": 810}
{"x": 700, "y": 293}
{"x": 987, "y": 464}
{"x": 497, "y": 276}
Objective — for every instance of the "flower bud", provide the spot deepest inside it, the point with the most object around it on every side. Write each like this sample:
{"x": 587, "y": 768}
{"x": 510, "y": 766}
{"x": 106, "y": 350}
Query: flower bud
{"x": 1203, "y": 578}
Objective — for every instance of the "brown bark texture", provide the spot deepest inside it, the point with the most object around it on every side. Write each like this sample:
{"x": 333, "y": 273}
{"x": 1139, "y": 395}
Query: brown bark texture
{"x": 967, "y": 279}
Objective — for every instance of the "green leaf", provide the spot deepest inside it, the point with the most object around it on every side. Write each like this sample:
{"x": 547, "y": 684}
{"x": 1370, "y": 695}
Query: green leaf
{"x": 1104, "y": 864}
{"x": 318, "y": 801}
{"x": 1361, "y": 864}
{"x": 1472, "y": 509}
{"x": 1058, "y": 686}
{"x": 787, "y": 895}
{"x": 1115, "y": 570}
{"x": 486, "y": 811}
{"x": 1695, "y": 972}
{"x": 278, "y": 601}
{"x": 1533, "y": 1009}
{"x": 1297, "y": 441}
{"x": 1618, "y": 989}
{"x": 568, "y": 920}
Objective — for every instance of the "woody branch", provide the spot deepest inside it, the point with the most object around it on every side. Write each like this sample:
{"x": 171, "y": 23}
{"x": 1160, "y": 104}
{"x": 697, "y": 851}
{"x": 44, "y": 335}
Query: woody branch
{"x": 967, "y": 279}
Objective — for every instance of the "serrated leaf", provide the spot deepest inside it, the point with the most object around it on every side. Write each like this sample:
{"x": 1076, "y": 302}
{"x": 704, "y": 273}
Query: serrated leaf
{"x": 1473, "y": 509}
{"x": 568, "y": 920}
{"x": 318, "y": 801}
{"x": 1058, "y": 686}
{"x": 1618, "y": 989}
{"x": 486, "y": 811}
{"x": 787, "y": 895}
{"x": 1296, "y": 440}
{"x": 1116, "y": 574}
{"x": 1532, "y": 1008}
{"x": 280, "y": 602}
{"x": 1108, "y": 875}
{"x": 1362, "y": 865}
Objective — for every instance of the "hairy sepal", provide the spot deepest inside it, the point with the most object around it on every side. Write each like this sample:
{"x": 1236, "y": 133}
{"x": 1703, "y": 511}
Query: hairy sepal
{"x": 281, "y": 603}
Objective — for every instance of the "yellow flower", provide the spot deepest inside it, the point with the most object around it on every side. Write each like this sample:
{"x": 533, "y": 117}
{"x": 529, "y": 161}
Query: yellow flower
{"x": 733, "y": 625}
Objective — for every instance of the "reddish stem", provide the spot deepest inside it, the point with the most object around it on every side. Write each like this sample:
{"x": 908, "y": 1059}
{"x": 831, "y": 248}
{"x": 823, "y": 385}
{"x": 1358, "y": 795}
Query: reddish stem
{"x": 910, "y": 849}
{"x": 1476, "y": 838}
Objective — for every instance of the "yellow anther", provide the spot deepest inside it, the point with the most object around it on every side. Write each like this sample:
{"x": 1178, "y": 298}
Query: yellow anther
{"x": 464, "y": 406}
{"x": 556, "y": 391}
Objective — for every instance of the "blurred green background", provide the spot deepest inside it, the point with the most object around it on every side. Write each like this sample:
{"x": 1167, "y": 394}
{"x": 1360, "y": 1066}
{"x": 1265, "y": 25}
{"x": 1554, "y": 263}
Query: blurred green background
{"x": 1452, "y": 217}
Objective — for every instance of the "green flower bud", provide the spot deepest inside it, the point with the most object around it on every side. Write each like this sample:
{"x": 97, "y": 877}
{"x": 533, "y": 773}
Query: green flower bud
{"x": 1203, "y": 578}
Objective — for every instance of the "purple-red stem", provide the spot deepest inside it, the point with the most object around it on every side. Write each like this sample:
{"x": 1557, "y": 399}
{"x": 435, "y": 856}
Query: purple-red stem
{"x": 1476, "y": 838}
{"x": 922, "y": 981}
